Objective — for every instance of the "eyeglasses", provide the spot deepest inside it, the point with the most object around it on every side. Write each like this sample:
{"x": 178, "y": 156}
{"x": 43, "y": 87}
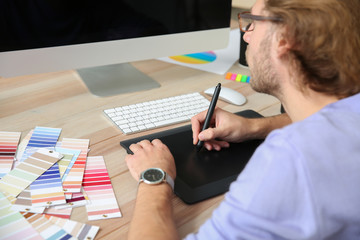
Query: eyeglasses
{"x": 246, "y": 20}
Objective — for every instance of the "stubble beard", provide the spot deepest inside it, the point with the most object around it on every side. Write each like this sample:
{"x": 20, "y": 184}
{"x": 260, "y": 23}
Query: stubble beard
{"x": 264, "y": 77}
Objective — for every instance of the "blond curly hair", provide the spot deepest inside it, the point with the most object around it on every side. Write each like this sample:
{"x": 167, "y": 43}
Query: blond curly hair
{"x": 324, "y": 36}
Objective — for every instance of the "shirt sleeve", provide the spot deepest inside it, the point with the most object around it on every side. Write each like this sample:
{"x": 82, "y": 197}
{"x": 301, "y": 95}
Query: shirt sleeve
{"x": 271, "y": 198}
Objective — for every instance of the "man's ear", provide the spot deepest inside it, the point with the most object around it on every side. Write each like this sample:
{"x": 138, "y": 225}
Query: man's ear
{"x": 283, "y": 45}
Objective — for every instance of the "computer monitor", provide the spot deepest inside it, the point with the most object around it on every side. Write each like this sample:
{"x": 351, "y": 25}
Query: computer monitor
{"x": 94, "y": 37}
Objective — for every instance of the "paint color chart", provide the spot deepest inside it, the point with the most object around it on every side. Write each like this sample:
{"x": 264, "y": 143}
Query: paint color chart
{"x": 64, "y": 163}
{"x": 62, "y": 213}
{"x": 22, "y": 146}
{"x": 65, "y": 151}
{"x": 47, "y": 189}
{"x": 72, "y": 182}
{"x": 76, "y": 200}
{"x": 8, "y": 146}
{"x": 97, "y": 185}
{"x": 79, "y": 230}
{"x": 12, "y": 224}
{"x": 42, "y": 137}
{"x": 45, "y": 179}
{"x": 47, "y": 229}
{"x": 28, "y": 171}
{"x": 23, "y": 203}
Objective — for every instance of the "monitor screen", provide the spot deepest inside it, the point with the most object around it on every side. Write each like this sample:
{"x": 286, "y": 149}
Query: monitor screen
{"x": 45, "y": 36}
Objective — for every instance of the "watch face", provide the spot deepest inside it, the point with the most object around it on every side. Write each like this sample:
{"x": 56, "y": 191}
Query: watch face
{"x": 153, "y": 175}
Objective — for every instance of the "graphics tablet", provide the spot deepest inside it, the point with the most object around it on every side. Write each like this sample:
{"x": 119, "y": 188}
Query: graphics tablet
{"x": 205, "y": 174}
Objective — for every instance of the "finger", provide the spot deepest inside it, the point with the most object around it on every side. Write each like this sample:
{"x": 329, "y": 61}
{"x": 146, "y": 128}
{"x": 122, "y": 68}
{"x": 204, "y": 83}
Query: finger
{"x": 222, "y": 144}
{"x": 156, "y": 142}
{"x": 212, "y": 146}
{"x": 159, "y": 144}
{"x": 208, "y": 146}
{"x": 144, "y": 143}
{"x": 195, "y": 127}
{"x": 196, "y": 123}
{"x": 135, "y": 147}
{"x": 207, "y": 134}
{"x": 217, "y": 145}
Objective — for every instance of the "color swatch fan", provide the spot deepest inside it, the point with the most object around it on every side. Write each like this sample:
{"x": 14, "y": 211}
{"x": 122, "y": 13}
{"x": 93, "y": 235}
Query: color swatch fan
{"x": 39, "y": 192}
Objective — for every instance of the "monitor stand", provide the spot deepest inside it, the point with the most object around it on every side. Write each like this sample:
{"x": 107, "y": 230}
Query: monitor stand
{"x": 115, "y": 79}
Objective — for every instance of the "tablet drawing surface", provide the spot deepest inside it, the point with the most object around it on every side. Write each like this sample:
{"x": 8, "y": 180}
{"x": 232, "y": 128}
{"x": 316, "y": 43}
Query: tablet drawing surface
{"x": 203, "y": 174}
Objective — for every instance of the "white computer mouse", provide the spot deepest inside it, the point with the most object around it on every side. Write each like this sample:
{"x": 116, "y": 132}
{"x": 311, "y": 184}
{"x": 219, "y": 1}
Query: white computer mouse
{"x": 228, "y": 95}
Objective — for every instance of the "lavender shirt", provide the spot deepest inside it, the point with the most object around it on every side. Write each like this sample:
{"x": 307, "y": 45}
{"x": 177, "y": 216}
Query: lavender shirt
{"x": 303, "y": 182}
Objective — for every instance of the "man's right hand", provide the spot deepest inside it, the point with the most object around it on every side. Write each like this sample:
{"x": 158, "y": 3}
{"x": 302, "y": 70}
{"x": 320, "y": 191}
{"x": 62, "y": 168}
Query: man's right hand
{"x": 225, "y": 127}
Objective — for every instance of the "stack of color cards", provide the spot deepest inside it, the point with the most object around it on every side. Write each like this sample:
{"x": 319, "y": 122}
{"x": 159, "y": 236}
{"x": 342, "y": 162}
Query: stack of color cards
{"x": 25, "y": 225}
{"x": 237, "y": 77}
{"x": 48, "y": 180}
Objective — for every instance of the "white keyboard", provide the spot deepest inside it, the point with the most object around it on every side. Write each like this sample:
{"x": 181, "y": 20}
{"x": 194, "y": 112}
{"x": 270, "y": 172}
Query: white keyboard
{"x": 158, "y": 113}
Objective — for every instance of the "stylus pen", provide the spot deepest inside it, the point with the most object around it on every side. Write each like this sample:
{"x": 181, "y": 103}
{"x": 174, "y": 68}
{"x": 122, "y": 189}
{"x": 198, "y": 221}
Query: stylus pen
{"x": 209, "y": 113}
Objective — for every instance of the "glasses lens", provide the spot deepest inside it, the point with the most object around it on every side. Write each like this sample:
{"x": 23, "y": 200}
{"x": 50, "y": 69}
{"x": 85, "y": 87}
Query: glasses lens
{"x": 245, "y": 21}
{"x": 246, "y": 24}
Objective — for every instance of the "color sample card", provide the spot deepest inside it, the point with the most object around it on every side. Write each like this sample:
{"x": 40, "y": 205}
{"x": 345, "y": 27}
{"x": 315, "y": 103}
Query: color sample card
{"x": 42, "y": 137}
{"x": 64, "y": 163}
{"x": 65, "y": 151}
{"x": 13, "y": 225}
{"x": 23, "y": 203}
{"x": 61, "y": 213}
{"x": 79, "y": 230}
{"x": 28, "y": 171}
{"x": 46, "y": 228}
{"x": 73, "y": 180}
{"x": 22, "y": 146}
{"x": 76, "y": 200}
{"x": 45, "y": 180}
{"x": 8, "y": 146}
{"x": 98, "y": 186}
{"x": 47, "y": 189}
{"x": 68, "y": 195}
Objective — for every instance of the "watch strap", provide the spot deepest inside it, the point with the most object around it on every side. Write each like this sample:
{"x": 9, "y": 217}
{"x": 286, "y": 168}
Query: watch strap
{"x": 169, "y": 180}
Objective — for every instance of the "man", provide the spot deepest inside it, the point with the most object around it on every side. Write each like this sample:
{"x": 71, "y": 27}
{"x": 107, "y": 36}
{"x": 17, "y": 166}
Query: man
{"x": 303, "y": 181}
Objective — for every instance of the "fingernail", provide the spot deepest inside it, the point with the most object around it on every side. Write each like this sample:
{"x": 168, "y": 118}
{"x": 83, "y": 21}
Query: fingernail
{"x": 200, "y": 136}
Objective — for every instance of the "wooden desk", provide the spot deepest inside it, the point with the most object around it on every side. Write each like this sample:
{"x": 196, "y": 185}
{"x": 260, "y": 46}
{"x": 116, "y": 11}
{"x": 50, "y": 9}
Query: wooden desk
{"x": 60, "y": 100}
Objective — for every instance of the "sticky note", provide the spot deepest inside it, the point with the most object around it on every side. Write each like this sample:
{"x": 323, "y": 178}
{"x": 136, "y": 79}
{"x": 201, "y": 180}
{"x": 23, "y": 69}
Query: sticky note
{"x": 243, "y": 78}
{"x": 237, "y": 77}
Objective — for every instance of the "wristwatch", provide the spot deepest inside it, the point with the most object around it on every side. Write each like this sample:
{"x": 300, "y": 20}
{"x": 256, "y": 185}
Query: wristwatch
{"x": 156, "y": 176}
